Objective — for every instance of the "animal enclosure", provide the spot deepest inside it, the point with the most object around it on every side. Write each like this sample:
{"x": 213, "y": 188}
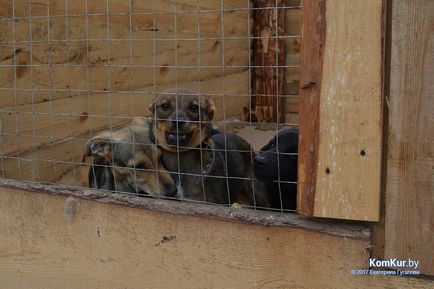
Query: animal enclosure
{"x": 86, "y": 84}
{"x": 71, "y": 70}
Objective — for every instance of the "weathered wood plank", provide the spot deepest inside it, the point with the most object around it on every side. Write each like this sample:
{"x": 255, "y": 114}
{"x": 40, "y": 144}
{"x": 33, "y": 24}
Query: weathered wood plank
{"x": 269, "y": 59}
{"x": 409, "y": 192}
{"x": 59, "y": 8}
{"x": 49, "y": 162}
{"x": 312, "y": 53}
{"x": 77, "y": 243}
{"x": 341, "y": 158}
{"x": 72, "y": 72}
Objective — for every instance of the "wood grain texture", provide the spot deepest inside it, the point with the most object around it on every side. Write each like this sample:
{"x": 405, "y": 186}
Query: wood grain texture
{"x": 258, "y": 217}
{"x": 269, "y": 59}
{"x": 58, "y": 242}
{"x": 312, "y": 50}
{"x": 410, "y": 187}
{"x": 378, "y": 228}
{"x": 343, "y": 142}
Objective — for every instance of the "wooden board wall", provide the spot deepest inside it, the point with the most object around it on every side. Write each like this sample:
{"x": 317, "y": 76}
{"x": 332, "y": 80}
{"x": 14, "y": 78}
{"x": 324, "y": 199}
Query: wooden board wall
{"x": 340, "y": 114}
{"x": 55, "y": 241}
{"x": 409, "y": 220}
{"x": 97, "y": 65}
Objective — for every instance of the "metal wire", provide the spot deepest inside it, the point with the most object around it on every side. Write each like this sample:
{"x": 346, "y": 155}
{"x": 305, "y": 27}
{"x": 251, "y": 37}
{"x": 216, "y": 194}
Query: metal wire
{"x": 45, "y": 153}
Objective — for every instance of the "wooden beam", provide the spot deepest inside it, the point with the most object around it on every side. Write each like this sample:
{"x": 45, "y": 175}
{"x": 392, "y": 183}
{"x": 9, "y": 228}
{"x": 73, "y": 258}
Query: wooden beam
{"x": 341, "y": 108}
{"x": 312, "y": 54}
{"x": 269, "y": 59}
{"x": 409, "y": 223}
{"x": 65, "y": 241}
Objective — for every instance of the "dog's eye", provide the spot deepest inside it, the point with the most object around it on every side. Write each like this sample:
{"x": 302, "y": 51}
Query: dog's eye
{"x": 194, "y": 108}
{"x": 165, "y": 106}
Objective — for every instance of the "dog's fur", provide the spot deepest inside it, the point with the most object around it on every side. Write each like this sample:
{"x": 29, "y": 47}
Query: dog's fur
{"x": 181, "y": 119}
{"x": 199, "y": 164}
{"x": 127, "y": 161}
{"x": 218, "y": 172}
{"x": 276, "y": 165}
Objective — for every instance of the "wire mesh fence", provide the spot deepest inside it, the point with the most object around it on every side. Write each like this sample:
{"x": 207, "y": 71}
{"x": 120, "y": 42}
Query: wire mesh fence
{"x": 186, "y": 100}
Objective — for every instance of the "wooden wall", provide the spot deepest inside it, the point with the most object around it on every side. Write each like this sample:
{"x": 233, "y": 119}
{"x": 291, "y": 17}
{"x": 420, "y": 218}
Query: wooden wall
{"x": 63, "y": 79}
{"x": 409, "y": 218}
{"x": 64, "y": 241}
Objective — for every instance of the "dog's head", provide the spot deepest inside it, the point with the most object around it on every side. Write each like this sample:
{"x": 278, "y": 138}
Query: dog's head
{"x": 278, "y": 158}
{"x": 127, "y": 161}
{"x": 181, "y": 119}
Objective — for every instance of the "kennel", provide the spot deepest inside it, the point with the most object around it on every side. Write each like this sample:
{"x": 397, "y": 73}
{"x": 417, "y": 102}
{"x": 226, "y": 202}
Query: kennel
{"x": 72, "y": 69}
{"x": 82, "y": 68}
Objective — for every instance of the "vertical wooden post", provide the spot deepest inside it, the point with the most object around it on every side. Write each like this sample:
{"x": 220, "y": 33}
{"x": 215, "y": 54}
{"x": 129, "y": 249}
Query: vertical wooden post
{"x": 313, "y": 33}
{"x": 268, "y": 59}
{"x": 340, "y": 109}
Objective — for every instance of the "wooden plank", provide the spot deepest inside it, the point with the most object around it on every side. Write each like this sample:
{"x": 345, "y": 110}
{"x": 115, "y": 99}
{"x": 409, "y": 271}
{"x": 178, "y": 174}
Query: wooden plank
{"x": 77, "y": 243}
{"x": 409, "y": 194}
{"x": 59, "y": 8}
{"x": 121, "y": 76}
{"x": 312, "y": 53}
{"x": 378, "y": 228}
{"x": 341, "y": 146}
{"x": 269, "y": 58}
{"x": 51, "y": 161}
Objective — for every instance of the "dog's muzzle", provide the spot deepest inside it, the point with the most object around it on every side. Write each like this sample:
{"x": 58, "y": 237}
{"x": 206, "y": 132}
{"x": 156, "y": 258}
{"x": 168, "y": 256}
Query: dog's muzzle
{"x": 178, "y": 138}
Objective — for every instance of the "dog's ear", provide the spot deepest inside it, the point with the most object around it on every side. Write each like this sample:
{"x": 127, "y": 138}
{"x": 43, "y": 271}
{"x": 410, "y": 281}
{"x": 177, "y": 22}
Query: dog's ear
{"x": 101, "y": 146}
{"x": 210, "y": 108}
{"x": 269, "y": 145}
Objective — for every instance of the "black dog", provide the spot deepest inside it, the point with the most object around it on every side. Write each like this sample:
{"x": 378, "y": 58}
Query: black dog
{"x": 218, "y": 171}
{"x": 276, "y": 166}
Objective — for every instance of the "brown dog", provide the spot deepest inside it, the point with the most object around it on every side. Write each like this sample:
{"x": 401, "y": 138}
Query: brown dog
{"x": 206, "y": 165}
{"x": 181, "y": 119}
{"x": 127, "y": 161}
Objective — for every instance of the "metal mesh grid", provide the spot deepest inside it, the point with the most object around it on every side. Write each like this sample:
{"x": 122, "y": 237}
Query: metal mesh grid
{"x": 75, "y": 70}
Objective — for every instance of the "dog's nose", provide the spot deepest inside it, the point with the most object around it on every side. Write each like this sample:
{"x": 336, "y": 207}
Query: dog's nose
{"x": 172, "y": 192}
{"x": 259, "y": 161}
{"x": 179, "y": 122}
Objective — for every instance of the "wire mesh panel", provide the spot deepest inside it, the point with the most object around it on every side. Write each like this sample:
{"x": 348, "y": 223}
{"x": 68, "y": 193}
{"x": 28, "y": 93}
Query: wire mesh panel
{"x": 170, "y": 99}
